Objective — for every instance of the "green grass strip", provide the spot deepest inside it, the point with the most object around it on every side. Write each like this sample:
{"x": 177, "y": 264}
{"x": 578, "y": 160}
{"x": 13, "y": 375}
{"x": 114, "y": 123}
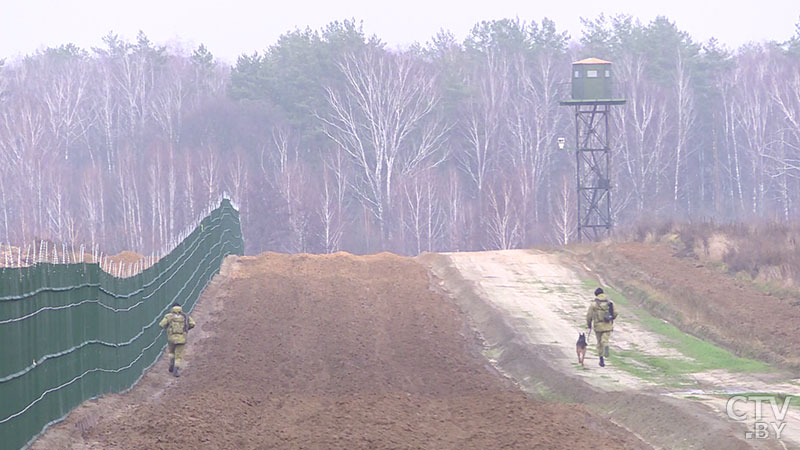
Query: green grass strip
{"x": 703, "y": 356}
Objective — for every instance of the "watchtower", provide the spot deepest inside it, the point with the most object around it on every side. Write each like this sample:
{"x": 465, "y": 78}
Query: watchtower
{"x": 592, "y": 100}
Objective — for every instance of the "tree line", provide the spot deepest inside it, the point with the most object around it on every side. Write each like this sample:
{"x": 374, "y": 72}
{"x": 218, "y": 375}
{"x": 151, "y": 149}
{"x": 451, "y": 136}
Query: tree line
{"x": 330, "y": 140}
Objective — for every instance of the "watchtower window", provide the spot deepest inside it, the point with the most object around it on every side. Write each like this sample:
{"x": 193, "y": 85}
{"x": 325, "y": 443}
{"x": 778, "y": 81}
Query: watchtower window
{"x": 591, "y": 74}
{"x": 577, "y": 74}
{"x": 608, "y": 74}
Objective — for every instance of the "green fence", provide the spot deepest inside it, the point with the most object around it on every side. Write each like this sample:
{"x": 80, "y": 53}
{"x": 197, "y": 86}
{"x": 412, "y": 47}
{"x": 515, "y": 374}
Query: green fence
{"x": 72, "y": 332}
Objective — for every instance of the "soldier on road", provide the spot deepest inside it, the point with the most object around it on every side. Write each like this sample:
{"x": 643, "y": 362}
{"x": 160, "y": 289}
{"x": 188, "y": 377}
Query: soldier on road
{"x": 601, "y": 315}
{"x": 178, "y": 325}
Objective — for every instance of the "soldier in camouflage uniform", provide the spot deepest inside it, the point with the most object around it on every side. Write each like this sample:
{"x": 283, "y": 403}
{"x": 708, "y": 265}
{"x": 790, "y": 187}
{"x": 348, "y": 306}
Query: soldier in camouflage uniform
{"x": 601, "y": 315}
{"x": 178, "y": 325}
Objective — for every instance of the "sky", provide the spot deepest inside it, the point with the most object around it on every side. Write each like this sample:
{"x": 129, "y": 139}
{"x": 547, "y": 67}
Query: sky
{"x": 232, "y": 27}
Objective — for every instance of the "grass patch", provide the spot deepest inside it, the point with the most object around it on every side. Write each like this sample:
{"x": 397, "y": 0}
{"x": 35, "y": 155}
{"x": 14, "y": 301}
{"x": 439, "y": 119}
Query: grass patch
{"x": 701, "y": 355}
{"x": 667, "y": 372}
{"x": 629, "y": 362}
{"x": 705, "y": 355}
{"x": 493, "y": 353}
{"x": 543, "y": 392}
{"x": 777, "y": 290}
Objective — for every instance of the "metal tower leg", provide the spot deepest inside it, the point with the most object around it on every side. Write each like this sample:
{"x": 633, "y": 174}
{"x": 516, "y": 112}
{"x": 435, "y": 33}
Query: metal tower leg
{"x": 593, "y": 171}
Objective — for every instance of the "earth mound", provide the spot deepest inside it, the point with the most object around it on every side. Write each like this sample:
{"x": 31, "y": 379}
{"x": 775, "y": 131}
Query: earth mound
{"x": 335, "y": 351}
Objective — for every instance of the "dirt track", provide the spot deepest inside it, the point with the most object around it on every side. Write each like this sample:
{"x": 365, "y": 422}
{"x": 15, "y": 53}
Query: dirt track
{"x": 704, "y": 300}
{"x": 529, "y": 306}
{"x": 330, "y": 352}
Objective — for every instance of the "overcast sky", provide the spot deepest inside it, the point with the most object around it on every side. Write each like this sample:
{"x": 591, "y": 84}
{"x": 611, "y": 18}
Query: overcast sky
{"x": 230, "y": 28}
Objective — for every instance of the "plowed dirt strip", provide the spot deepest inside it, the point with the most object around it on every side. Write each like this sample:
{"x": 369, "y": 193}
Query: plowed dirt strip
{"x": 331, "y": 352}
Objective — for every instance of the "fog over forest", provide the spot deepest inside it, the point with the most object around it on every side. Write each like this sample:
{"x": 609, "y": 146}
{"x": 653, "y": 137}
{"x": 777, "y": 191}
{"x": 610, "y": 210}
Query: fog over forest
{"x": 329, "y": 140}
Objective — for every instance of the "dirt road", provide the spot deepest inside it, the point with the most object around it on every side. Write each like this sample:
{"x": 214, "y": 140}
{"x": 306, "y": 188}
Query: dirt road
{"x": 667, "y": 387}
{"x": 330, "y": 352}
{"x": 705, "y": 300}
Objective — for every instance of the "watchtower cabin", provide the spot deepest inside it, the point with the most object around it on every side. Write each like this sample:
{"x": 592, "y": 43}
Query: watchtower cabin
{"x": 591, "y": 79}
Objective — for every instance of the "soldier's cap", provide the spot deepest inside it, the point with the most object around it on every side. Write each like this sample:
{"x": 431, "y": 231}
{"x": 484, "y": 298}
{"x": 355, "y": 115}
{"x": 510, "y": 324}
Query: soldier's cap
{"x": 176, "y": 304}
{"x": 598, "y": 291}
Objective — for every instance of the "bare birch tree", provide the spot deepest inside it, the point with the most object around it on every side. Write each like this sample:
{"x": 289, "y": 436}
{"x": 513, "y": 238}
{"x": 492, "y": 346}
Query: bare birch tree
{"x": 209, "y": 174}
{"x": 753, "y": 115}
{"x": 64, "y": 93}
{"x": 503, "y": 225}
{"x": 485, "y": 116}
{"x": 384, "y": 119}
{"x": 685, "y": 116}
{"x": 644, "y": 126}
{"x": 532, "y": 128}
{"x": 424, "y": 216}
{"x": 332, "y": 201}
{"x": 565, "y": 213}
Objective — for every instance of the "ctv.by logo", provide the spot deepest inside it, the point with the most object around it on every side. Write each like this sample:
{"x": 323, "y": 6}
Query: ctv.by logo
{"x": 762, "y": 429}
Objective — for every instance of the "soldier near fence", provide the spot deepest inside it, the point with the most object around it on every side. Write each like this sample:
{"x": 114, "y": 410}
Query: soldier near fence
{"x": 177, "y": 324}
{"x": 600, "y": 316}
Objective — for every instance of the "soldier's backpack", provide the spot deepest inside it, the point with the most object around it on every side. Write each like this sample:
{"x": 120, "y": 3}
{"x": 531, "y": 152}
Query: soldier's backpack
{"x": 609, "y": 316}
{"x": 178, "y": 324}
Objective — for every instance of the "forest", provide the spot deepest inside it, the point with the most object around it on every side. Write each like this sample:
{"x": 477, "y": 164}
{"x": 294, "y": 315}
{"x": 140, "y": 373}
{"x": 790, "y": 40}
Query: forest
{"x": 330, "y": 140}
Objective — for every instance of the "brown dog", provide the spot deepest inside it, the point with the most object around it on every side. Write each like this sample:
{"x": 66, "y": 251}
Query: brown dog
{"x": 580, "y": 348}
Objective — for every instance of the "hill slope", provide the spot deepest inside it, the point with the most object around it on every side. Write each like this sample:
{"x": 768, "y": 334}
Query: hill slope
{"x": 330, "y": 352}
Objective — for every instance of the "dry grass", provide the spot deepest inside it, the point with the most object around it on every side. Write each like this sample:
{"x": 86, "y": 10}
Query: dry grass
{"x": 766, "y": 253}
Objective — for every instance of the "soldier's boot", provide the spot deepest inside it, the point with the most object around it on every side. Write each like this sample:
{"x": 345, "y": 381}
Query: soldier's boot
{"x": 176, "y": 372}
{"x": 171, "y": 365}
{"x": 602, "y": 363}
